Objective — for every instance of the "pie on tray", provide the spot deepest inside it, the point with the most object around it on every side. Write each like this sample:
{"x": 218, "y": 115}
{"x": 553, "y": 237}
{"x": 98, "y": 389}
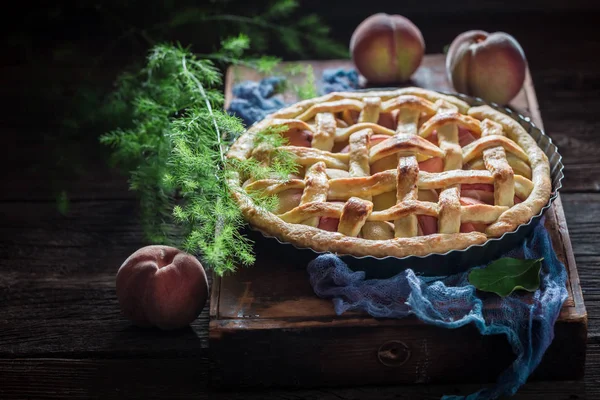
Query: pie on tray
{"x": 395, "y": 173}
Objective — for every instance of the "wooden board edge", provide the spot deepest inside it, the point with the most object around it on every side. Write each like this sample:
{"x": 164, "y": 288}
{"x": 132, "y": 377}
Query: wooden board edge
{"x": 229, "y": 78}
{"x": 532, "y": 102}
{"x": 568, "y": 310}
{"x": 572, "y": 267}
{"x": 220, "y": 326}
{"x": 558, "y": 210}
{"x": 215, "y": 290}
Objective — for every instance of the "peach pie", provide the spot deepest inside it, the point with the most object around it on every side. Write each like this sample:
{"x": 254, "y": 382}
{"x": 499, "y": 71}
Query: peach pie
{"x": 395, "y": 173}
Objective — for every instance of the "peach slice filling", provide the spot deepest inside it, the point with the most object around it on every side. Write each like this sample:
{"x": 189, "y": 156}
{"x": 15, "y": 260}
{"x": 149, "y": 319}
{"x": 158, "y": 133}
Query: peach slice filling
{"x": 428, "y": 225}
{"x": 329, "y": 224}
{"x": 481, "y": 192}
{"x": 388, "y": 120}
{"x": 288, "y": 200}
{"x": 472, "y": 194}
{"x": 465, "y": 137}
{"x": 434, "y": 164}
{"x": 466, "y": 227}
{"x": 299, "y": 137}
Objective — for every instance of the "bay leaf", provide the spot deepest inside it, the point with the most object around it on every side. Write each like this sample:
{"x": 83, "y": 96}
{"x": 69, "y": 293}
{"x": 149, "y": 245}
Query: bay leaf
{"x": 506, "y": 275}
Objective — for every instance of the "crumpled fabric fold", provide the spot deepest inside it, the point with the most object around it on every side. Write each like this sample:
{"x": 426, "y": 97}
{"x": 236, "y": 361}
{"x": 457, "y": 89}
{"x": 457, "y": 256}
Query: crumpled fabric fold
{"x": 253, "y": 101}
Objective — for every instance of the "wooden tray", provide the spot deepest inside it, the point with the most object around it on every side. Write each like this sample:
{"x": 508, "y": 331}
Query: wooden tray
{"x": 268, "y": 328}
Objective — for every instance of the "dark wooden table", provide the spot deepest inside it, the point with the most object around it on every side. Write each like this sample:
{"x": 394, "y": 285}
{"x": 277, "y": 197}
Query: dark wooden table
{"x": 61, "y": 332}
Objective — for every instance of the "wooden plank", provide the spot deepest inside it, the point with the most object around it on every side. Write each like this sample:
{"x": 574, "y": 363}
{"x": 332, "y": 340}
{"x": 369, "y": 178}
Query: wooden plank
{"x": 57, "y": 288}
{"x": 131, "y": 378}
{"x": 272, "y": 327}
{"x": 107, "y": 335}
{"x": 580, "y": 210}
{"x": 556, "y": 222}
{"x": 584, "y": 389}
{"x": 431, "y": 74}
{"x": 185, "y": 378}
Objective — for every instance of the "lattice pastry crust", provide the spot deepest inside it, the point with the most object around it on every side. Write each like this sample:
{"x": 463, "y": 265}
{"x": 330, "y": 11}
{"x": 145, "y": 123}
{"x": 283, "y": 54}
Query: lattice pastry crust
{"x": 396, "y": 173}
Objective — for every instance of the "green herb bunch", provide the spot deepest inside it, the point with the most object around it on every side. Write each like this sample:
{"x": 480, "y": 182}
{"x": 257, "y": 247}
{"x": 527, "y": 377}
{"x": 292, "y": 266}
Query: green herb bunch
{"x": 173, "y": 143}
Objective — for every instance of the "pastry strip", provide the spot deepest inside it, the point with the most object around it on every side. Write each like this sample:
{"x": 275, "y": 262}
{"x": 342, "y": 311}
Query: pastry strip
{"x": 408, "y": 174}
{"x": 315, "y": 189}
{"x": 324, "y": 135}
{"x": 495, "y": 161}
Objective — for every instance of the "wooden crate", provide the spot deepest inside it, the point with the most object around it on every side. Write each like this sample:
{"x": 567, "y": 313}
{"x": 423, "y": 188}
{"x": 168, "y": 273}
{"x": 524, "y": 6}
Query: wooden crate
{"x": 268, "y": 328}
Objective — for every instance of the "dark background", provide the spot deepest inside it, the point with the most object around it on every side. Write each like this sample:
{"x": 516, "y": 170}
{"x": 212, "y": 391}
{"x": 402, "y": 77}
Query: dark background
{"x": 50, "y": 48}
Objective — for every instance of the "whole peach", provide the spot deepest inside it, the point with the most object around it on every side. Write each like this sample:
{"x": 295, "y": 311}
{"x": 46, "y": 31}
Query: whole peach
{"x": 161, "y": 286}
{"x": 387, "y": 48}
{"x": 490, "y": 66}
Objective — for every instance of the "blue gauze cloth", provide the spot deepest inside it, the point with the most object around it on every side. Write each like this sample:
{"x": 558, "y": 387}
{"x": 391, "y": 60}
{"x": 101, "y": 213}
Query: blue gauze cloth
{"x": 527, "y": 319}
{"x": 339, "y": 80}
{"x": 450, "y": 302}
{"x": 252, "y": 101}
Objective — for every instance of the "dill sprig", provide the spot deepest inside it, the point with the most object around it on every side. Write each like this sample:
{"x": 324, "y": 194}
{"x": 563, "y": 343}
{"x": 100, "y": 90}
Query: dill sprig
{"x": 173, "y": 147}
{"x": 308, "y": 88}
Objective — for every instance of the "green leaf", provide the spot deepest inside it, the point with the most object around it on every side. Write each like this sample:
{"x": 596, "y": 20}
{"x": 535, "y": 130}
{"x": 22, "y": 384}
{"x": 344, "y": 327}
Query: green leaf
{"x": 505, "y": 275}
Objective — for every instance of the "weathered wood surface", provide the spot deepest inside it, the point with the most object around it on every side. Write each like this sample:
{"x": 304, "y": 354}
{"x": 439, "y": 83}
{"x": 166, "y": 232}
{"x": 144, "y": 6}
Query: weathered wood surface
{"x": 61, "y": 335}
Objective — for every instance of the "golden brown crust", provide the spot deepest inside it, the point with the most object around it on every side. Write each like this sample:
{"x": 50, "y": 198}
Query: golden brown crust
{"x": 354, "y": 215}
{"x": 363, "y": 230}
